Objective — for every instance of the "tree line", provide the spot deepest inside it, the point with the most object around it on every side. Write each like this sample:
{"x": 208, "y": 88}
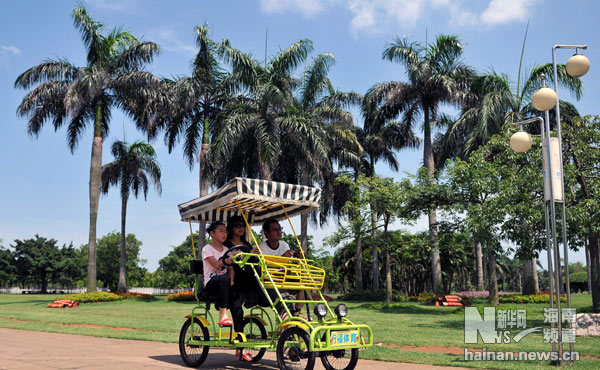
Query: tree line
{"x": 40, "y": 264}
{"x": 238, "y": 116}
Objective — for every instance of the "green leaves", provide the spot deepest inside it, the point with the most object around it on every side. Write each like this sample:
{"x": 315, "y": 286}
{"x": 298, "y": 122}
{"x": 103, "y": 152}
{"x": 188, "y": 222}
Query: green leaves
{"x": 132, "y": 166}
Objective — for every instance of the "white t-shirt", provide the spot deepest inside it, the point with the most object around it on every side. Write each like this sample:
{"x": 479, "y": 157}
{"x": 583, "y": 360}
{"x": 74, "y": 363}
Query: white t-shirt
{"x": 209, "y": 270}
{"x": 280, "y": 250}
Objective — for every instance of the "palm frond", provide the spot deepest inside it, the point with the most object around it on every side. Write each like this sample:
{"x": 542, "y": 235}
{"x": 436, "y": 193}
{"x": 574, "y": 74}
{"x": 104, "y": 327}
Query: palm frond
{"x": 314, "y": 79}
{"x": 90, "y": 33}
{"x": 49, "y": 70}
{"x": 289, "y": 59}
{"x": 136, "y": 56}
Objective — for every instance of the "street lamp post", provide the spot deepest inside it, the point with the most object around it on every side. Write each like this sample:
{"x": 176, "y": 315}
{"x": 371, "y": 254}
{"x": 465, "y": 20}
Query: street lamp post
{"x": 521, "y": 142}
{"x": 543, "y": 100}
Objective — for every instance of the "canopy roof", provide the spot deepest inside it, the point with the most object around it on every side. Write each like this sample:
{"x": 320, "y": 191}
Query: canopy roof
{"x": 259, "y": 199}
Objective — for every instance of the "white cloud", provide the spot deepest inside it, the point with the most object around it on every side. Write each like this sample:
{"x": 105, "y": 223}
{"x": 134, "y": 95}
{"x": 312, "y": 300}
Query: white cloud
{"x": 169, "y": 41}
{"x": 379, "y": 15}
{"x": 307, "y": 8}
{"x": 506, "y": 11}
{"x": 376, "y": 16}
{"x": 7, "y": 52}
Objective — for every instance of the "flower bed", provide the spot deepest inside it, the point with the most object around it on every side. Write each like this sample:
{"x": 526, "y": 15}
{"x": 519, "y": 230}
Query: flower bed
{"x": 140, "y": 296}
{"x": 91, "y": 297}
{"x": 181, "y": 296}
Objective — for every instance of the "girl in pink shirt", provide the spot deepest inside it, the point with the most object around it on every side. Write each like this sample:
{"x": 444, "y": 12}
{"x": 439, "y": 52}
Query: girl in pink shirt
{"x": 218, "y": 278}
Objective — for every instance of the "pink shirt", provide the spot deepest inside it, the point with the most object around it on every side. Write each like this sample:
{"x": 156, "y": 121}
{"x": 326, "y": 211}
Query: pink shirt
{"x": 209, "y": 270}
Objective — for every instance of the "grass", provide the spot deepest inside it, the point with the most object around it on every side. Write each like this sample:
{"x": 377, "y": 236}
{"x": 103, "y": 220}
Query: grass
{"x": 394, "y": 326}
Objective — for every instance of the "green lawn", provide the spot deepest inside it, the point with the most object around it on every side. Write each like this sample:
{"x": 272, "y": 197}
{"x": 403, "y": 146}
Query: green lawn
{"x": 394, "y": 326}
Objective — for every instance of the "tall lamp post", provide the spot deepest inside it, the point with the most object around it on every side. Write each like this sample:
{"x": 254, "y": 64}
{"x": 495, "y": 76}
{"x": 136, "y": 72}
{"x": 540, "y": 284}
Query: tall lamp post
{"x": 521, "y": 142}
{"x": 543, "y": 100}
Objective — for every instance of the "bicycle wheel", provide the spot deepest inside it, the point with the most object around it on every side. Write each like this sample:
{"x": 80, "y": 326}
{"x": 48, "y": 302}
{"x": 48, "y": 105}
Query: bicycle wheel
{"x": 254, "y": 330}
{"x": 293, "y": 350}
{"x": 338, "y": 360}
{"x": 193, "y": 356}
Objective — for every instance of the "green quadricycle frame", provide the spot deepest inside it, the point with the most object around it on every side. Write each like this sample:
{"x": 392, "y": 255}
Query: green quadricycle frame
{"x": 297, "y": 340}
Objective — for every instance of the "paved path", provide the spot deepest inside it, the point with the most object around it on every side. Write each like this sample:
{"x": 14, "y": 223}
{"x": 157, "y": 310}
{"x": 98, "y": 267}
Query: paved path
{"x": 20, "y": 349}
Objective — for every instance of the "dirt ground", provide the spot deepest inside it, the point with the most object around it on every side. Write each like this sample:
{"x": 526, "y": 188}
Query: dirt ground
{"x": 20, "y": 349}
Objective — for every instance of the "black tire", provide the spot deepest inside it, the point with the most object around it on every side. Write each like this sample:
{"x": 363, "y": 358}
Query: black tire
{"x": 254, "y": 330}
{"x": 337, "y": 360}
{"x": 193, "y": 356}
{"x": 292, "y": 350}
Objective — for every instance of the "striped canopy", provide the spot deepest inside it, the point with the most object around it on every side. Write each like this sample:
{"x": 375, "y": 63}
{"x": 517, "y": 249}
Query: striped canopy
{"x": 259, "y": 199}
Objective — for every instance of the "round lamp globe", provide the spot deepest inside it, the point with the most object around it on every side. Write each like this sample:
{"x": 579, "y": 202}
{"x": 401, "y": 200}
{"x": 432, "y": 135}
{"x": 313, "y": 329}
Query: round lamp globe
{"x": 578, "y": 65}
{"x": 520, "y": 142}
{"x": 544, "y": 99}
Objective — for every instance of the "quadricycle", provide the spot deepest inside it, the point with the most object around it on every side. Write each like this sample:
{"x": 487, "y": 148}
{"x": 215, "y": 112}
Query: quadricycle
{"x": 297, "y": 340}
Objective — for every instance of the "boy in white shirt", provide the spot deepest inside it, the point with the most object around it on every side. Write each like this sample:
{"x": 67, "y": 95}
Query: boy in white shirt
{"x": 274, "y": 246}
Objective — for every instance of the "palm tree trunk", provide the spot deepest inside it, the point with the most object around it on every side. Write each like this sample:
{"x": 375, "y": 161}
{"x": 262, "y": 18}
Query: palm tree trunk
{"x": 493, "y": 287}
{"x": 595, "y": 271}
{"x": 428, "y": 161}
{"x": 358, "y": 262}
{"x": 203, "y": 183}
{"x": 375, "y": 249}
{"x": 95, "y": 180}
{"x": 479, "y": 265}
{"x": 203, "y": 190}
{"x": 304, "y": 217}
{"x": 122, "y": 288}
{"x": 588, "y": 267}
{"x": 388, "y": 271}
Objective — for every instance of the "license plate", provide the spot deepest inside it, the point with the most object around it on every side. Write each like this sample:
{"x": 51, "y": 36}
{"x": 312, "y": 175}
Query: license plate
{"x": 343, "y": 338}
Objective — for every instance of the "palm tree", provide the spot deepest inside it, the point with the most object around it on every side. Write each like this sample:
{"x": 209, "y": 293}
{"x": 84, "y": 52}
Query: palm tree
{"x": 436, "y": 75}
{"x": 85, "y": 95}
{"x": 249, "y": 143}
{"x": 189, "y": 108}
{"x": 134, "y": 167}
{"x": 380, "y": 141}
{"x": 494, "y": 104}
{"x": 316, "y": 133}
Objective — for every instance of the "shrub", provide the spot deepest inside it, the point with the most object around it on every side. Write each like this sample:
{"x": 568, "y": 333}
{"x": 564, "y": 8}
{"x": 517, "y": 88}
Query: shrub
{"x": 91, "y": 297}
{"x": 465, "y": 300}
{"x": 529, "y": 298}
{"x": 137, "y": 296}
{"x": 181, "y": 296}
{"x": 425, "y": 298}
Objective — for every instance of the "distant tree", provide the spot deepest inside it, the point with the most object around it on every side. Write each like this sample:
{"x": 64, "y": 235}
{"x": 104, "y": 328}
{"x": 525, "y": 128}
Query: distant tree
{"x": 134, "y": 167}
{"x": 71, "y": 271}
{"x": 8, "y": 271}
{"x": 109, "y": 247}
{"x": 174, "y": 269}
{"x": 36, "y": 261}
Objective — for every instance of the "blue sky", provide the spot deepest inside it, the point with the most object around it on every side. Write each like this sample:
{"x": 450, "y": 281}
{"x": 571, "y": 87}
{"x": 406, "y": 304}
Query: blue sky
{"x": 44, "y": 188}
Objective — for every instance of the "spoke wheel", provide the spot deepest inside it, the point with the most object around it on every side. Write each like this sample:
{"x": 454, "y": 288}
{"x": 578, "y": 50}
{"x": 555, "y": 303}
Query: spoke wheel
{"x": 340, "y": 359}
{"x": 292, "y": 350}
{"x": 254, "y": 330}
{"x": 193, "y": 356}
